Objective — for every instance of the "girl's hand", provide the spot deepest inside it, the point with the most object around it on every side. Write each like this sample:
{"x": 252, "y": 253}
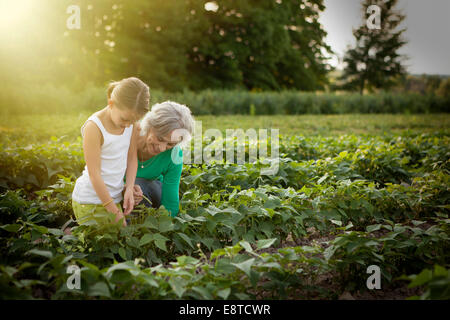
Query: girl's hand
{"x": 112, "y": 207}
{"x": 128, "y": 201}
{"x": 120, "y": 216}
{"x": 137, "y": 194}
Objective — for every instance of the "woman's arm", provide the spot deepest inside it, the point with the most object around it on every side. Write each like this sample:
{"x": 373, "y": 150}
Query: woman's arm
{"x": 171, "y": 185}
{"x": 131, "y": 172}
{"x": 92, "y": 142}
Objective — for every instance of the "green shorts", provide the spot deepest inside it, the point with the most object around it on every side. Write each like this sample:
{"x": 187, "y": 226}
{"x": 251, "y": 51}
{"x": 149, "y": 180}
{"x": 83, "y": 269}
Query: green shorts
{"x": 93, "y": 212}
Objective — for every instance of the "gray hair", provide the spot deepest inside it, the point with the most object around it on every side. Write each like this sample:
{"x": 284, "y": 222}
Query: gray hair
{"x": 168, "y": 116}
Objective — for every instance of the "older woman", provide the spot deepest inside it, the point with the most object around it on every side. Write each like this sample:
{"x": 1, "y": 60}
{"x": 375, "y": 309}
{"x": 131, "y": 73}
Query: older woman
{"x": 160, "y": 155}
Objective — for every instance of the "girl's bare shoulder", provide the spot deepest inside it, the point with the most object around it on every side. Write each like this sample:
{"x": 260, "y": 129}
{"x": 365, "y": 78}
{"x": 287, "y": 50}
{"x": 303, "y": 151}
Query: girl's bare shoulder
{"x": 100, "y": 114}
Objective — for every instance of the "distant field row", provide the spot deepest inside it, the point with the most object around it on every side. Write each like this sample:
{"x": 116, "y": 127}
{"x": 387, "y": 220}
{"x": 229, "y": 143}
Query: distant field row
{"x": 47, "y": 98}
{"x": 40, "y": 128}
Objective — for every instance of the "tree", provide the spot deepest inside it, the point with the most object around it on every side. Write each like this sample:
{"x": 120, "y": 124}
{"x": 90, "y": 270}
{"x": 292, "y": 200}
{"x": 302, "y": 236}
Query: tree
{"x": 375, "y": 62}
{"x": 178, "y": 44}
{"x": 444, "y": 88}
{"x": 262, "y": 45}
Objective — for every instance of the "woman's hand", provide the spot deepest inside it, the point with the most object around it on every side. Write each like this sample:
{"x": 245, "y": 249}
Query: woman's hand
{"x": 128, "y": 201}
{"x": 137, "y": 194}
{"x": 112, "y": 207}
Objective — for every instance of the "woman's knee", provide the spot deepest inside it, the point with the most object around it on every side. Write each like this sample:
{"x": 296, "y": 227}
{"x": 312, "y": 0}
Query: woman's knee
{"x": 155, "y": 190}
{"x": 152, "y": 190}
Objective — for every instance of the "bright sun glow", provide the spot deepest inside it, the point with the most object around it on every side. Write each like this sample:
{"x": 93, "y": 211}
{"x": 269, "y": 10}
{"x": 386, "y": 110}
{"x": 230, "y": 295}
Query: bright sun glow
{"x": 14, "y": 14}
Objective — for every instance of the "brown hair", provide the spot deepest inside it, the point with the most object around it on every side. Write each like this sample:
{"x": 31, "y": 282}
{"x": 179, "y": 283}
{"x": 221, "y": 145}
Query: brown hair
{"x": 130, "y": 94}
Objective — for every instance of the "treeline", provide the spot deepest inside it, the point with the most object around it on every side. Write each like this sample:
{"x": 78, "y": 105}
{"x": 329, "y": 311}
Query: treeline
{"x": 53, "y": 99}
{"x": 424, "y": 84}
{"x": 171, "y": 44}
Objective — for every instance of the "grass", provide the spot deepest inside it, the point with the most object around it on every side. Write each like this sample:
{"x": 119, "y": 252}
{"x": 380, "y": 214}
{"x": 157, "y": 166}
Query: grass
{"x": 39, "y": 128}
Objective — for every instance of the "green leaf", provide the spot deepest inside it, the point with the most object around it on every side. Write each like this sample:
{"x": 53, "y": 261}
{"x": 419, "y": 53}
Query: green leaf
{"x": 242, "y": 296}
{"x": 184, "y": 260}
{"x": 272, "y": 203}
{"x": 224, "y": 266}
{"x": 43, "y": 253}
{"x": 165, "y": 224}
{"x": 11, "y": 227}
{"x": 99, "y": 289}
{"x": 178, "y": 285}
{"x": 218, "y": 253}
{"x": 149, "y": 279}
{"x": 212, "y": 210}
{"x": 422, "y": 278}
{"x": 133, "y": 242}
{"x": 254, "y": 277}
{"x": 267, "y": 228}
{"x": 151, "y": 222}
{"x": 224, "y": 293}
{"x": 122, "y": 253}
{"x": 322, "y": 179}
{"x": 128, "y": 266}
{"x": 352, "y": 246}
{"x": 373, "y": 227}
{"x": 266, "y": 243}
{"x": 160, "y": 241}
{"x": 440, "y": 271}
{"x": 208, "y": 242}
{"x": 40, "y": 229}
{"x": 146, "y": 238}
{"x": 343, "y": 154}
{"x": 56, "y": 232}
{"x": 380, "y": 257}
{"x": 203, "y": 292}
{"x": 244, "y": 244}
{"x": 329, "y": 252}
{"x": 187, "y": 239}
{"x": 337, "y": 222}
{"x": 245, "y": 266}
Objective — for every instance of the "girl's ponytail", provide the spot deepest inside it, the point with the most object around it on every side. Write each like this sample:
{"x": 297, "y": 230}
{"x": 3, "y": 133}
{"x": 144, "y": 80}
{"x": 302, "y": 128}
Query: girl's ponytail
{"x": 111, "y": 87}
{"x": 131, "y": 94}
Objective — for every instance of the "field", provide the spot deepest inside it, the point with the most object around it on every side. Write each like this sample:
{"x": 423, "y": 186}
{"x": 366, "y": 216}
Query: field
{"x": 351, "y": 191}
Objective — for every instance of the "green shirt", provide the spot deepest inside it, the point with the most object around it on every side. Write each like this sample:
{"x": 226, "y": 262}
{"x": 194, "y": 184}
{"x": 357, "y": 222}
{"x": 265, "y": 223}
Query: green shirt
{"x": 161, "y": 167}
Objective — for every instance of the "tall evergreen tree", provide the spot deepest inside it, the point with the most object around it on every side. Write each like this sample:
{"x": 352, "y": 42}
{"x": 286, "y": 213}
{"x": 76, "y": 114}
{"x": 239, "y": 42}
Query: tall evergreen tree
{"x": 375, "y": 62}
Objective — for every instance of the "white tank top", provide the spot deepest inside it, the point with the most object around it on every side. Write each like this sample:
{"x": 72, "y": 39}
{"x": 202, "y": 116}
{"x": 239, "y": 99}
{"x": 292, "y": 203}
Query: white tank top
{"x": 114, "y": 154}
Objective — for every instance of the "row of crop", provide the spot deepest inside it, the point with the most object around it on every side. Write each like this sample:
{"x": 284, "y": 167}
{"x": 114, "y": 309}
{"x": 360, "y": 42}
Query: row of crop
{"x": 383, "y": 160}
{"x": 231, "y": 212}
{"x": 263, "y": 213}
{"x": 36, "y": 166}
{"x": 220, "y": 102}
{"x": 227, "y": 203}
{"x": 225, "y": 273}
{"x": 235, "y": 102}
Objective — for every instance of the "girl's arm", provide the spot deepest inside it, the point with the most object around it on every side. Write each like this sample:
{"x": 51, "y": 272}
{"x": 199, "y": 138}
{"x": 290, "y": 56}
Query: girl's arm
{"x": 92, "y": 142}
{"x": 132, "y": 164}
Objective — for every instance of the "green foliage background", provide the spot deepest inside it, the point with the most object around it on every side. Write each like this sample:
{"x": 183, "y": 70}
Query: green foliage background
{"x": 171, "y": 44}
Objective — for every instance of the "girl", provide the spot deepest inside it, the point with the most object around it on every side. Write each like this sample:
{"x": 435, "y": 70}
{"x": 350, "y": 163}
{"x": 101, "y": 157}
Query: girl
{"x": 109, "y": 145}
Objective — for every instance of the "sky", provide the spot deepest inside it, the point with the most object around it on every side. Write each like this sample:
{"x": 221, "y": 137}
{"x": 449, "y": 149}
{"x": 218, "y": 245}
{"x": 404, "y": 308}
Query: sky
{"x": 427, "y": 26}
